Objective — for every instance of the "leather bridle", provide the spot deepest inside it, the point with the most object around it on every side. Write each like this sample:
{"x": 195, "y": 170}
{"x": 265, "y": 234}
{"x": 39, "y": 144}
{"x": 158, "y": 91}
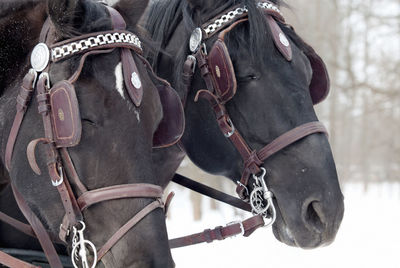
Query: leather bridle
{"x": 59, "y": 162}
{"x": 260, "y": 198}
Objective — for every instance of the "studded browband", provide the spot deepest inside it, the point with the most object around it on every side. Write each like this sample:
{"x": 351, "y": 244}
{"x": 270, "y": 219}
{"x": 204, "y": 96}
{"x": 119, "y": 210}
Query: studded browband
{"x": 58, "y": 159}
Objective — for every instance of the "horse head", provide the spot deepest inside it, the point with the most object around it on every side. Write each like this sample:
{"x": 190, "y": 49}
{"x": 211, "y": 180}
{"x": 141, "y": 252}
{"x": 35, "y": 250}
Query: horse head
{"x": 104, "y": 112}
{"x": 261, "y": 81}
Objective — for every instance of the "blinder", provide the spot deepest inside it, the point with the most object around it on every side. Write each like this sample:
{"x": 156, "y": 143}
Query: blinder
{"x": 221, "y": 68}
{"x": 67, "y": 126}
{"x": 320, "y": 82}
{"x": 172, "y": 125}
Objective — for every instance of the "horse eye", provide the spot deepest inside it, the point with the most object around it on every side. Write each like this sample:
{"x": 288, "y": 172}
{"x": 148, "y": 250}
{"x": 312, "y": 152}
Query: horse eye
{"x": 89, "y": 122}
{"x": 247, "y": 78}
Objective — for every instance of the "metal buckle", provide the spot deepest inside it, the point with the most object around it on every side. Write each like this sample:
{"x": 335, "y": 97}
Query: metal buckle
{"x": 61, "y": 180}
{"x": 240, "y": 225}
{"x": 230, "y": 133}
{"x": 193, "y": 58}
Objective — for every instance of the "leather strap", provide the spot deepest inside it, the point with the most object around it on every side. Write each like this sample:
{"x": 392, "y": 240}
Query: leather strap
{"x": 10, "y": 261}
{"x": 139, "y": 190}
{"x": 39, "y": 230}
{"x": 211, "y": 192}
{"x": 131, "y": 223}
{"x": 70, "y": 168}
{"x": 275, "y": 146}
{"x": 291, "y": 137}
{"x": 23, "y": 101}
{"x": 23, "y": 227}
{"x": 247, "y": 227}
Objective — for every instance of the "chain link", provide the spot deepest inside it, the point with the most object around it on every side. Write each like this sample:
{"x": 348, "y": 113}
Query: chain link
{"x": 231, "y": 15}
{"x": 94, "y": 41}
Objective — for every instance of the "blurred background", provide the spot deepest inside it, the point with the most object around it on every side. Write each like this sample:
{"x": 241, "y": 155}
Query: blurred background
{"x": 359, "y": 41}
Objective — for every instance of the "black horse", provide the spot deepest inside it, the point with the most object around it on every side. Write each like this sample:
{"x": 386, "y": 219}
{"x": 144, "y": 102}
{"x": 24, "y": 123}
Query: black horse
{"x": 272, "y": 97}
{"x": 116, "y": 143}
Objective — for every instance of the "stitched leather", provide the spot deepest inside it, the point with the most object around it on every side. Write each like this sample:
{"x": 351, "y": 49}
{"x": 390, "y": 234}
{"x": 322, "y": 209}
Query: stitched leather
{"x": 279, "y": 37}
{"x": 66, "y": 119}
{"x": 129, "y": 225}
{"x": 219, "y": 233}
{"x": 119, "y": 191}
{"x": 129, "y": 68}
{"x": 223, "y": 74}
{"x": 10, "y": 261}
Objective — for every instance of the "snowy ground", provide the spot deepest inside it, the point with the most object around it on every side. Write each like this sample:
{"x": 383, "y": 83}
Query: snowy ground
{"x": 369, "y": 236}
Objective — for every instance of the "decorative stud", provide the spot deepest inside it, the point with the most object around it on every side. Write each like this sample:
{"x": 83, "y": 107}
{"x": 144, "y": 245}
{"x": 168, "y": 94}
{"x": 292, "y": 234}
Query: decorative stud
{"x": 283, "y": 39}
{"x": 135, "y": 80}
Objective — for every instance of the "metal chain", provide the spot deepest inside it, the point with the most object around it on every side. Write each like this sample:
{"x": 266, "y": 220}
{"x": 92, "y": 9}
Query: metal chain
{"x": 231, "y": 15}
{"x": 94, "y": 41}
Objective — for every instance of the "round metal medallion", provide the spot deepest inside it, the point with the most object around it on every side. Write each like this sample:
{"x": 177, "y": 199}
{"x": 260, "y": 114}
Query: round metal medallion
{"x": 136, "y": 80}
{"x": 40, "y": 57}
{"x": 195, "y": 40}
{"x": 283, "y": 39}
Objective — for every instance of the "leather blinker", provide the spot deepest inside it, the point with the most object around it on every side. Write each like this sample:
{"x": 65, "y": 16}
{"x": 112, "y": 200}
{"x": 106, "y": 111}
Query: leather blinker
{"x": 65, "y": 116}
{"x": 223, "y": 73}
{"x": 172, "y": 125}
{"x": 320, "y": 82}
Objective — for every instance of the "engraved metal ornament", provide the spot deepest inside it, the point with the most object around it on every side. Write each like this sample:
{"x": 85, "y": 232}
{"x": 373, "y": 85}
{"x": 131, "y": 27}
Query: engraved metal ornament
{"x": 135, "y": 80}
{"x": 40, "y": 57}
{"x": 257, "y": 201}
{"x": 261, "y": 200}
{"x": 195, "y": 40}
{"x": 283, "y": 39}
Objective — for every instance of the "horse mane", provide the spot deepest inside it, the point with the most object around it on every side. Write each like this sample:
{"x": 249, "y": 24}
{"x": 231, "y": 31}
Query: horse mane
{"x": 9, "y": 6}
{"x": 164, "y": 15}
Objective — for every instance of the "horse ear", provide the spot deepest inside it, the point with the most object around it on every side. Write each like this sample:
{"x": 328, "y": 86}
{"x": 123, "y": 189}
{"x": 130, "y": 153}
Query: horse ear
{"x": 131, "y": 10}
{"x": 64, "y": 14}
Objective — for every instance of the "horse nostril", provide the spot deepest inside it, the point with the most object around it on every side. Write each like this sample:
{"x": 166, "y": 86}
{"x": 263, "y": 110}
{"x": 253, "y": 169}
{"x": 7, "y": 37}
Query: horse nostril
{"x": 314, "y": 217}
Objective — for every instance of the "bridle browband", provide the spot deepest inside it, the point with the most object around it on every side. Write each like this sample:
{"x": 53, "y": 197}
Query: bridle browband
{"x": 260, "y": 198}
{"x": 59, "y": 162}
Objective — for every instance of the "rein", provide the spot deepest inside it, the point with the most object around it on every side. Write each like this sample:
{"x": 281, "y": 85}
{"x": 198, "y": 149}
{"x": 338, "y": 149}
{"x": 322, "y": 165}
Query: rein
{"x": 59, "y": 162}
{"x": 218, "y": 74}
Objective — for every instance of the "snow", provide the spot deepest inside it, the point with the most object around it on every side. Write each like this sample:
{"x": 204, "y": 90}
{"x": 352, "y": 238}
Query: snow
{"x": 368, "y": 236}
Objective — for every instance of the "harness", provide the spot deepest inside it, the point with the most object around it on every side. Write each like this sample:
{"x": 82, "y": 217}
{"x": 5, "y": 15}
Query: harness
{"x": 219, "y": 76}
{"x": 59, "y": 108}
